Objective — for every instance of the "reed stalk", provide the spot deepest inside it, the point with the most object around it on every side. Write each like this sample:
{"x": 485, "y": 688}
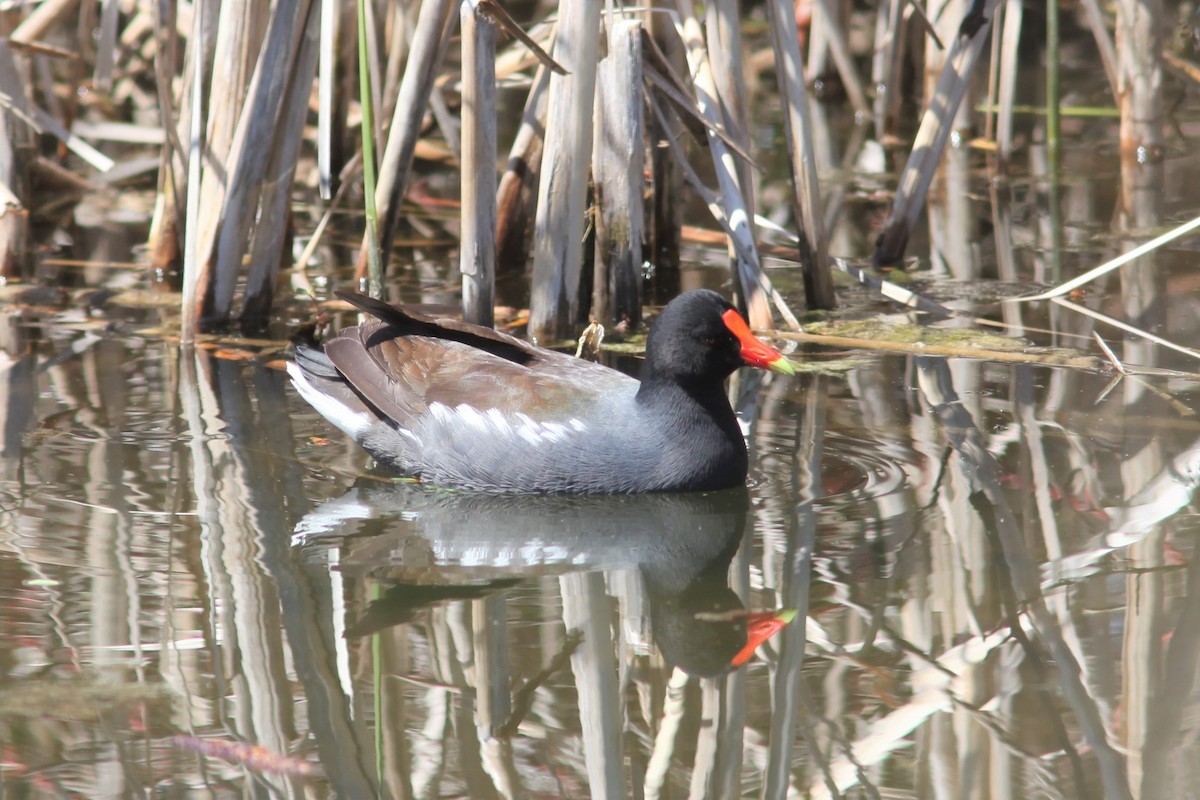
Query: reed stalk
{"x": 166, "y": 222}
{"x": 666, "y": 208}
{"x": 1053, "y": 128}
{"x": 516, "y": 195}
{"x": 826, "y": 17}
{"x": 375, "y": 593}
{"x": 106, "y": 46}
{"x": 189, "y": 323}
{"x": 618, "y": 155}
{"x": 15, "y": 137}
{"x": 1006, "y": 96}
{"x": 365, "y": 99}
{"x": 814, "y": 255}
{"x": 326, "y": 87}
{"x": 270, "y": 249}
{"x": 562, "y": 190}
{"x": 890, "y": 34}
{"x": 238, "y": 31}
{"x": 433, "y": 25}
{"x": 250, "y": 153}
{"x": 477, "y": 245}
{"x": 937, "y": 123}
{"x": 723, "y": 33}
{"x": 1104, "y": 42}
{"x": 1142, "y": 154}
{"x": 401, "y": 31}
{"x": 728, "y": 204}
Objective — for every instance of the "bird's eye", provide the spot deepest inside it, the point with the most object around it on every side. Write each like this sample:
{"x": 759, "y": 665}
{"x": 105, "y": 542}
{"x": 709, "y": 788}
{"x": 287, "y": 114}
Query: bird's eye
{"x": 710, "y": 340}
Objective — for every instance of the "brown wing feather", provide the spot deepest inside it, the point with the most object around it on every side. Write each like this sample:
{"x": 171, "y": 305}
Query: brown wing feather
{"x": 404, "y": 322}
{"x": 401, "y": 375}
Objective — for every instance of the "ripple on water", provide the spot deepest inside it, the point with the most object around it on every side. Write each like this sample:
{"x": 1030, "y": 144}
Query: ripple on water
{"x": 865, "y": 508}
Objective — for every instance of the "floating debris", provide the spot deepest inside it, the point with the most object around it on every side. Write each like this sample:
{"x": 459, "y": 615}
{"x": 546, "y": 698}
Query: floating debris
{"x": 251, "y": 756}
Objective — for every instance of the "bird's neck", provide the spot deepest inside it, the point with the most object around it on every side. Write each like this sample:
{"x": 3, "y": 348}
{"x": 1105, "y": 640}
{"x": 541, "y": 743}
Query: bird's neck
{"x": 699, "y": 441}
{"x": 684, "y": 399}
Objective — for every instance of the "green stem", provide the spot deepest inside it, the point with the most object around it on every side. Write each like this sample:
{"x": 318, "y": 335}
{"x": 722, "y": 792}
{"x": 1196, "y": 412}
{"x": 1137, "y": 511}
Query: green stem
{"x": 1063, "y": 111}
{"x": 1052, "y": 126}
{"x": 374, "y": 258}
{"x": 1052, "y": 138}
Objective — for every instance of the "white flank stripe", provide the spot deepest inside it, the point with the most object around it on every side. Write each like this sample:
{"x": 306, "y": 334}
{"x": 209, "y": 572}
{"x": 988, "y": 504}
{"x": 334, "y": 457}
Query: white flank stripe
{"x": 472, "y": 418}
{"x": 496, "y": 422}
{"x": 496, "y": 417}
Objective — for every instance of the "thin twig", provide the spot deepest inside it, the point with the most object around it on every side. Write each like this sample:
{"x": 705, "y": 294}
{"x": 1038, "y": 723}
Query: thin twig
{"x": 1026, "y": 329}
{"x": 299, "y": 273}
{"x": 1043, "y": 356}
{"x": 1117, "y": 365}
{"x": 1109, "y": 266}
{"x": 659, "y": 72}
{"x": 1108, "y": 387}
{"x": 1182, "y": 65}
{"x": 1125, "y": 326}
{"x": 522, "y": 700}
{"x": 41, "y": 122}
{"x": 498, "y": 15}
{"x": 926, "y": 24}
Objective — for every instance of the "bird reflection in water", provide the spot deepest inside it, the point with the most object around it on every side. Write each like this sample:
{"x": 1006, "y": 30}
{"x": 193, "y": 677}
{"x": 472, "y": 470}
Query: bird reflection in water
{"x": 431, "y": 546}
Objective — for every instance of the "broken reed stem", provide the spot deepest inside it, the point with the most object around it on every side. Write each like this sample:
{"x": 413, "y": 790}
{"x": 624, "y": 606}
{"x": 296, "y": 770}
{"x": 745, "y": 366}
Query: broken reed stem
{"x": 1109, "y": 266}
{"x": 41, "y": 19}
{"x": 374, "y": 265}
{"x": 477, "y": 248}
{"x": 716, "y": 206}
{"x": 523, "y": 696}
{"x": 1116, "y": 323}
{"x": 299, "y": 277}
{"x": 617, "y": 157}
{"x": 1056, "y": 358}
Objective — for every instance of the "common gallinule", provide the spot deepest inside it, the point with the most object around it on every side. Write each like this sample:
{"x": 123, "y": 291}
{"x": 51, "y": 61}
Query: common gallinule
{"x": 463, "y": 405}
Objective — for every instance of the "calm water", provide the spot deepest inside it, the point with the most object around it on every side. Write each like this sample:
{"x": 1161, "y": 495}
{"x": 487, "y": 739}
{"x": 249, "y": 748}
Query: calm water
{"x": 204, "y": 593}
{"x": 998, "y": 569}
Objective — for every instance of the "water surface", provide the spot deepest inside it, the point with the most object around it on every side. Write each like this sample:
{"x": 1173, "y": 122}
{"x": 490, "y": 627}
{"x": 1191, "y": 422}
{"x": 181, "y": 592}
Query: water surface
{"x": 994, "y": 565}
